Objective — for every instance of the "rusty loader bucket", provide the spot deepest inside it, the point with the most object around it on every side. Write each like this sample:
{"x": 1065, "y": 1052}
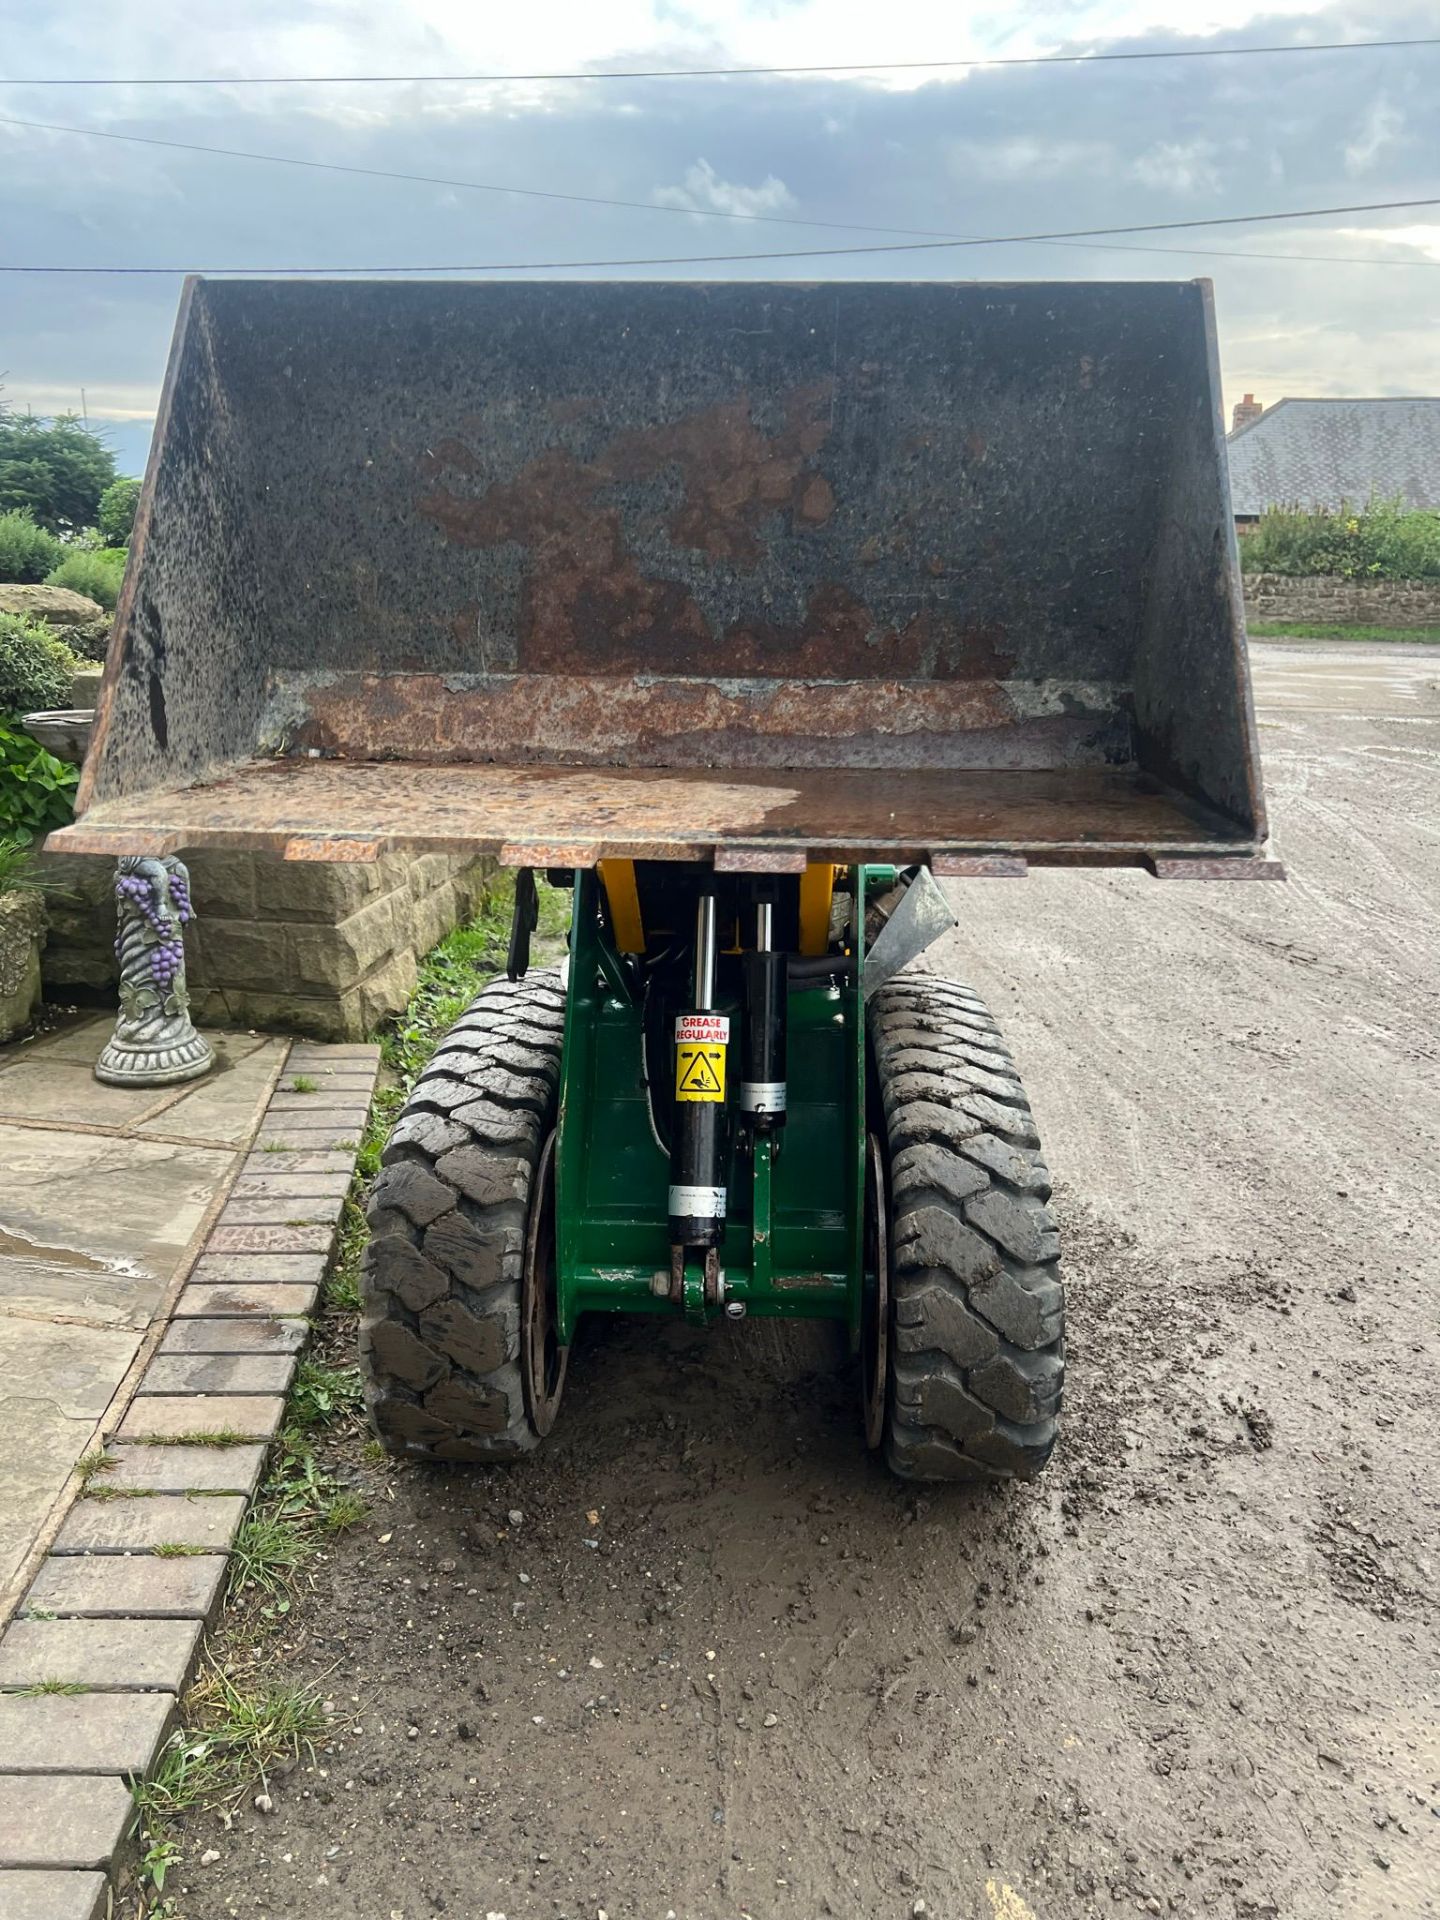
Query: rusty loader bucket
{"x": 568, "y": 571}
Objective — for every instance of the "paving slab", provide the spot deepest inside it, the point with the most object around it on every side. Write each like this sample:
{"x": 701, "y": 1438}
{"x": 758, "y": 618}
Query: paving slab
{"x": 142, "y": 1586}
{"x": 218, "y": 1373}
{"x": 326, "y": 1139}
{"x": 55, "y": 1384}
{"x": 79, "y": 1038}
{"x": 281, "y": 1206}
{"x": 307, "y": 1052}
{"x": 63, "y": 1820}
{"x": 232, "y": 1239}
{"x": 222, "y": 1107}
{"x": 307, "y": 1186}
{"x": 249, "y": 1416}
{"x": 186, "y": 1469}
{"x": 110, "y": 1655}
{"x": 253, "y": 1270}
{"x": 43, "y": 1089}
{"x": 83, "y": 1732}
{"x": 283, "y": 1162}
{"x": 52, "y": 1896}
{"x": 240, "y": 1301}
{"x": 92, "y": 1227}
{"x": 253, "y": 1335}
{"x": 324, "y": 1104}
{"x": 82, "y": 1040}
{"x": 141, "y": 1523}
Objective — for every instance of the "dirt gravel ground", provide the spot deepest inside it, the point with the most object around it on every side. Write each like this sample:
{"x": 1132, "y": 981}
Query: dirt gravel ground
{"x": 701, "y": 1657}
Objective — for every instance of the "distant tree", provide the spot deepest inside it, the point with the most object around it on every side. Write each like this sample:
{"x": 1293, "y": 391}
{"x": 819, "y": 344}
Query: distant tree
{"x": 57, "y": 468}
{"x": 117, "y": 512}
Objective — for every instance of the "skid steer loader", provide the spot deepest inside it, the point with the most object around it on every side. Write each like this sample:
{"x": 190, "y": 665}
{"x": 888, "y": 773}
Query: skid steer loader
{"x": 749, "y": 614}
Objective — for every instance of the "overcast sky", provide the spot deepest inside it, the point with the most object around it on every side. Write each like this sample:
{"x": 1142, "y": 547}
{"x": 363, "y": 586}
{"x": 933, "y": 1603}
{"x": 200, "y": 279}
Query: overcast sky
{"x": 973, "y": 152}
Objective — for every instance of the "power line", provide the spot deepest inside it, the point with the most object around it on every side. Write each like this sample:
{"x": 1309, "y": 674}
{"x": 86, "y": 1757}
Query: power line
{"x": 600, "y": 200}
{"x": 706, "y": 73}
{"x": 787, "y": 253}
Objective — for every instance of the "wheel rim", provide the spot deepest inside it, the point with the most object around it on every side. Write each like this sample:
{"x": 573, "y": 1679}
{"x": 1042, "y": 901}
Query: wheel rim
{"x": 875, "y": 1319}
{"x": 542, "y": 1359}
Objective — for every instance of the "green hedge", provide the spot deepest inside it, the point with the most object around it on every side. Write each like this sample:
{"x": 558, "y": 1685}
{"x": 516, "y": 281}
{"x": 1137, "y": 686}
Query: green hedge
{"x": 36, "y": 669}
{"x": 1383, "y": 541}
{"x": 94, "y": 571}
{"x": 27, "y": 551}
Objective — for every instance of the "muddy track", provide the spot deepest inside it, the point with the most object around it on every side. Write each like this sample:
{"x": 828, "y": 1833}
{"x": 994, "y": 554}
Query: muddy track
{"x": 724, "y": 1665}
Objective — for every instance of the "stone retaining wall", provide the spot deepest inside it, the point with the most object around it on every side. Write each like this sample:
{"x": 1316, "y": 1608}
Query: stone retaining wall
{"x": 292, "y": 946}
{"x": 1319, "y": 598}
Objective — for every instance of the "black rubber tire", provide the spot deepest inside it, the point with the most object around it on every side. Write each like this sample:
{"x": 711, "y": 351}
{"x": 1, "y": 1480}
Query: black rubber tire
{"x": 440, "y": 1319}
{"x": 977, "y": 1337}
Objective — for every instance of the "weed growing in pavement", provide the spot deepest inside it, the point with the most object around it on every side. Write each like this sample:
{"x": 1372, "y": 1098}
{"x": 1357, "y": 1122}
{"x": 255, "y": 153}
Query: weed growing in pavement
{"x": 175, "y": 1550}
{"x": 51, "y": 1686}
{"x": 302, "y": 1083}
{"x": 201, "y": 1437}
{"x": 277, "y": 1146}
{"x": 118, "y": 1493}
{"x": 90, "y": 1464}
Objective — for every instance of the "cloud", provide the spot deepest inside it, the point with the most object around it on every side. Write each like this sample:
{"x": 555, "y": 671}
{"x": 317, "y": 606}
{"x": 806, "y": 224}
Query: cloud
{"x": 1027, "y": 156}
{"x": 1189, "y": 166}
{"x": 985, "y": 151}
{"x": 1382, "y": 126}
{"x": 705, "y": 191}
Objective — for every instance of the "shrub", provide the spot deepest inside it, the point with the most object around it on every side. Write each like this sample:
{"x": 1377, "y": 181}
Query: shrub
{"x": 27, "y": 551}
{"x": 117, "y": 511}
{"x": 37, "y": 791}
{"x": 96, "y": 572}
{"x": 1382, "y": 541}
{"x": 36, "y": 669}
{"x": 89, "y": 640}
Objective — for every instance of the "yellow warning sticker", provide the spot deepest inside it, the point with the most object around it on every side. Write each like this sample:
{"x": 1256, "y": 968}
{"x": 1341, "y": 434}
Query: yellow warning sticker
{"x": 699, "y": 1070}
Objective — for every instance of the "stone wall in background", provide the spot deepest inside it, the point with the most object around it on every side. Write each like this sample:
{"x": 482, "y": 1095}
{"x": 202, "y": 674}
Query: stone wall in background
{"x": 287, "y": 945}
{"x": 1318, "y": 598}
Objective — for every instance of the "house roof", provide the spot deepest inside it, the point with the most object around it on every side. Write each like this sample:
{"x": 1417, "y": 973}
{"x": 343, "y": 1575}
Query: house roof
{"x": 1320, "y": 453}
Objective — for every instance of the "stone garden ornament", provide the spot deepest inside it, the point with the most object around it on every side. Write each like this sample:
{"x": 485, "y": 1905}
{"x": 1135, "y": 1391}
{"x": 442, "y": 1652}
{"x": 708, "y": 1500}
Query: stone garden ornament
{"x": 153, "y": 1044}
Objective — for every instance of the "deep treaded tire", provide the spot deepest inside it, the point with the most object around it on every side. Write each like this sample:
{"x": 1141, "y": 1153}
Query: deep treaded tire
{"x": 440, "y": 1326}
{"x": 977, "y": 1337}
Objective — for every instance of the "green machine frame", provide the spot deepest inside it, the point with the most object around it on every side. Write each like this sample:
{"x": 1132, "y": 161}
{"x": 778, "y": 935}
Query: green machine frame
{"x": 794, "y": 1244}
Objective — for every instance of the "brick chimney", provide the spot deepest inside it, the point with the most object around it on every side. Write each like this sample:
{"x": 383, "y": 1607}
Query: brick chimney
{"x": 1246, "y": 410}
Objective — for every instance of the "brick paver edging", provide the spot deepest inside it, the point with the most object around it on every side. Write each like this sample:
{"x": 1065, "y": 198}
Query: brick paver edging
{"x": 108, "y": 1614}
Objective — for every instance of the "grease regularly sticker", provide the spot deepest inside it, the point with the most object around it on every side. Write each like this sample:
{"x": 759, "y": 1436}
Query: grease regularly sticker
{"x": 712, "y": 1028}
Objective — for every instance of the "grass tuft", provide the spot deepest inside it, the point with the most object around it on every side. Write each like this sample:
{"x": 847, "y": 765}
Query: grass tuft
{"x": 177, "y": 1550}
{"x": 345, "y": 1510}
{"x": 303, "y": 1083}
{"x": 236, "y": 1737}
{"x": 51, "y": 1686}
{"x": 268, "y": 1550}
{"x": 96, "y": 1462}
{"x": 200, "y": 1437}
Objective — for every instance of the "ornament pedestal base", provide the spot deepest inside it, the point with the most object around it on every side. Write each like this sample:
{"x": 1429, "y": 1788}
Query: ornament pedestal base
{"x": 145, "y": 1064}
